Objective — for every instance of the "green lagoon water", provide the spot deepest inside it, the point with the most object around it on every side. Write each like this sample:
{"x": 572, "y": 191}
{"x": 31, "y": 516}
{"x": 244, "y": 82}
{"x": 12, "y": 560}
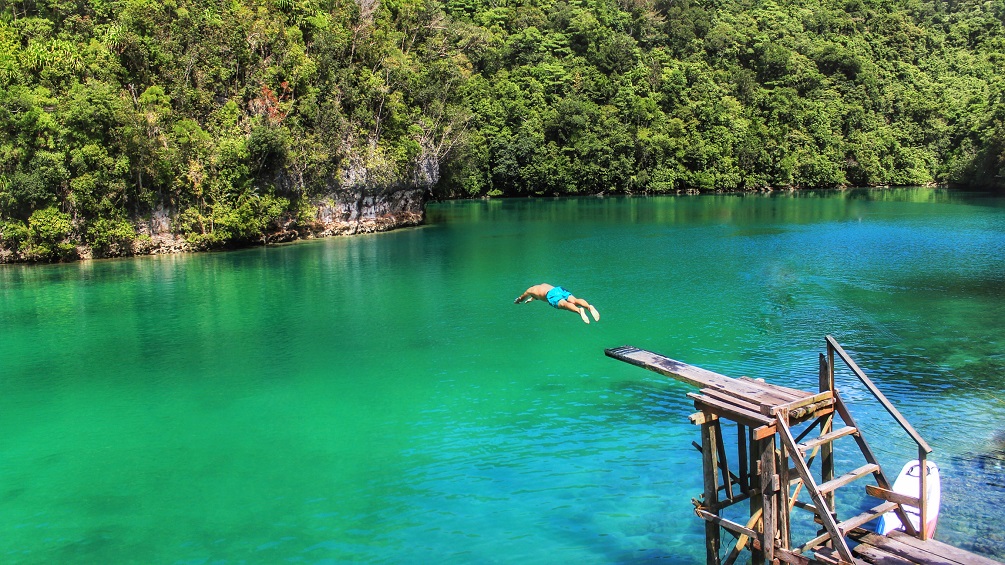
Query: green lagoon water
{"x": 380, "y": 399}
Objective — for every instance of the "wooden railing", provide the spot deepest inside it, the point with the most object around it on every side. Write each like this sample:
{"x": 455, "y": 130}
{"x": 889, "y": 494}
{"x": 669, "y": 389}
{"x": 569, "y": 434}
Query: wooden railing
{"x": 833, "y": 347}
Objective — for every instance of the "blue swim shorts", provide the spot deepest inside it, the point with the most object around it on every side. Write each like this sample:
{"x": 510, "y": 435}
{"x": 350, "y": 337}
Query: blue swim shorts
{"x": 556, "y": 295}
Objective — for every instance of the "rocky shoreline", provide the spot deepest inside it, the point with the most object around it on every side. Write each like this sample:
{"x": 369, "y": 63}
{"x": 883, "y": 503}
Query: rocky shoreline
{"x": 347, "y": 214}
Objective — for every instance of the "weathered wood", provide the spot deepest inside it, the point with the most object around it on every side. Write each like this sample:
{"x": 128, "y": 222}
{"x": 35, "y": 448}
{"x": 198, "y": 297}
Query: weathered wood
{"x": 769, "y": 505}
{"x": 881, "y": 479}
{"x": 695, "y": 376}
{"x": 828, "y": 521}
{"x": 794, "y": 393}
{"x": 735, "y": 413}
{"x": 876, "y": 556}
{"x": 703, "y": 378}
{"x": 848, "y": 477}
{"x": 922, "y": 495}
{"x": 724, "y": 523}
{"x": 786, "y": 556}
{"x": 756, "y": 502}
{"x": 699, "y": 418}
{"x": 891, "y": 496}
{"x": 794, "y": 405}
{"x": 867, "y": 516}
{"x": 929, "y": 552}
{"x": 827, "y": 556}
{"x": 741, "y": 455}
{"x": 723, "y": 396}
{"x": 764, "y": 432}
{"x": 721, "y": 462}
{"x": 761, "y": 411}
{"x": 827, "y": 438}
{"x": 711, "y": 498}
{"x": 833, "y": 344}
{"x": 727, "y": 477}
{"x": 784, "y": 533}
{"x": 826, "y": 427}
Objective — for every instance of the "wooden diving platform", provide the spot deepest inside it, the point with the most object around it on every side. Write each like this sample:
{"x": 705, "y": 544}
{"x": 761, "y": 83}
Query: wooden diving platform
{"x": 778, "y": 457}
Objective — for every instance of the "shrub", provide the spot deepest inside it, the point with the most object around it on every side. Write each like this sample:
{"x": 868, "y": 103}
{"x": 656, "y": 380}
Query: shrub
{"x": 103, "y": 234}
{"x": 49, "y": 236}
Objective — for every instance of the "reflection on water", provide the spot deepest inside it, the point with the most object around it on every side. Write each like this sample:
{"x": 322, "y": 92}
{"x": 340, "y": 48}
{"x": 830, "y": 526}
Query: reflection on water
{"x": 380, "y": 398}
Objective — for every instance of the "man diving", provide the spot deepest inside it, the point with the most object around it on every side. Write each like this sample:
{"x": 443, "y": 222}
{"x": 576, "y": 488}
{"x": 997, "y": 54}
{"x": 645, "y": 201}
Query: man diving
{"x": 559, "y": 298}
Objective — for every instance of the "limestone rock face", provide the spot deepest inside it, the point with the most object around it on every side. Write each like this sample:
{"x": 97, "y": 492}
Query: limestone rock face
{"x": 345, "y": 212}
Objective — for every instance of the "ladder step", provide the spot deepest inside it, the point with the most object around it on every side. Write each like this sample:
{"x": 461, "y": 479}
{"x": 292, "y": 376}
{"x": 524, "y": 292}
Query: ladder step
{"x": 868, "y": 515}
{"x": 832, "y": 485}
{"x": 827, "y": 438}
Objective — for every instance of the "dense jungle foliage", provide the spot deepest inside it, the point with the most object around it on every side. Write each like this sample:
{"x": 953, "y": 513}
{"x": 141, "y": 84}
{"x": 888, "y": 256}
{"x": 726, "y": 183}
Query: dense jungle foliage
{"x": 235, "y": 116}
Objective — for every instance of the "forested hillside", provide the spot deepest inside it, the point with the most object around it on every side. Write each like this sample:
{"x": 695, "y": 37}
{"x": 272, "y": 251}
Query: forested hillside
{"x": 233, "y": 118}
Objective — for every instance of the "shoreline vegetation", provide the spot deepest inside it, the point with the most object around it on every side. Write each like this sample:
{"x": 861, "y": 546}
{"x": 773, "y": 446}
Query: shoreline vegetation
{"x": 134, "y": 126}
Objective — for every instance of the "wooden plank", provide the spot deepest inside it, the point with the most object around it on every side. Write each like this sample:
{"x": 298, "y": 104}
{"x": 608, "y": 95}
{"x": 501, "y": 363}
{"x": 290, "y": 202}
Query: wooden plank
{"x": 792, "y": 392}
{"x": 876, "y": 556}
{"x": 753, "y": 391}
{"x": 734, "y": 413}
{"x": 724, "y": 396}
{"x": 805, "y": 401}
{"x": 699, "y": 418}
{"x": 892, "y": 496}
{"x": 768, "y": 499}
{"x": 826, "y": 427}
{"x": 827, "y": 438}
{"x": 756, "y": 554}
{"x": 710, "y": 473}
{"x": 881, "y": 479}
{"x": 813, "y": 490}
{"x": 695, "y": 376}
{"x": 832, "y": 485}
{"x": 786, "y": 556}
{"x": 756, "y": 391}
{"x": 727, "y": 524}
{"x": 893, "y": 547}
{"x": 942, "y": 550}
{"x": 698, "y": 377}
{"x": 727, "y": 477}
{"x": 867, "y": 516}
{"x": 764, "y": 432}
{"x": 828, "y": 556}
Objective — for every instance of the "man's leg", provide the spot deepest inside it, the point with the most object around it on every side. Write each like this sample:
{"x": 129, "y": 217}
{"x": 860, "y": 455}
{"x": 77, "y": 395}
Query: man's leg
{"x": 579, "y": 302}
{"x": 566, "y": 304}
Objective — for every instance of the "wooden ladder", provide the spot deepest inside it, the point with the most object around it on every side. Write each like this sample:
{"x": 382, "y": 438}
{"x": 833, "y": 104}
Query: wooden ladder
{"x": 822, "y": 494}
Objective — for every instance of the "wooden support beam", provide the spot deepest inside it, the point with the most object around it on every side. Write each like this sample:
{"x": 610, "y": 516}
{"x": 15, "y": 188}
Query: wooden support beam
{"x": 891, "y": 496}
{"x": 756, "y": 501}
{"x": 711, "y": 498}
{"x": 769, "y": 487}
{"x": 804, "y": 473}
{"x": 727, "y": 477}
{"x": 832, "y": 485}
{"x": 870, "y": 457}
{"x": 724, "y": 523}
{"x": 731, "y": 411}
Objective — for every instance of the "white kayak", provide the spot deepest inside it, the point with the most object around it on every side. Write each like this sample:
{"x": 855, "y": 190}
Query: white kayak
{"x": 908, "y": 484}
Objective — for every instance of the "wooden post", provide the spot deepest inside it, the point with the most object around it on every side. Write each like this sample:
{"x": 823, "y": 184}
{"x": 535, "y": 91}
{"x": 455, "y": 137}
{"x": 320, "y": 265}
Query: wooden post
{"x": 741, "y": 457}
{"x": 723, "y": 463}
{"x": 769, "y": 505}
{"x": 785, "y": 536}
{"x": 756, "y": 502}
{"x": 923, "y": 496}
{"x": 827, "y": 449}
{"x": 709, "y": 453}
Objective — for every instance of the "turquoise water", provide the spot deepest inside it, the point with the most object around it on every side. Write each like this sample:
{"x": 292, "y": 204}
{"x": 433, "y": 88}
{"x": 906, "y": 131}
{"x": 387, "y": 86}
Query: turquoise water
{"x": 381, "y": 399}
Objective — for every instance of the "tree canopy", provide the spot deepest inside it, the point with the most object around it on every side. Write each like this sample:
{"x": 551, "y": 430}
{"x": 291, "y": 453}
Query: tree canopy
{"x": 235, "y": 116}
